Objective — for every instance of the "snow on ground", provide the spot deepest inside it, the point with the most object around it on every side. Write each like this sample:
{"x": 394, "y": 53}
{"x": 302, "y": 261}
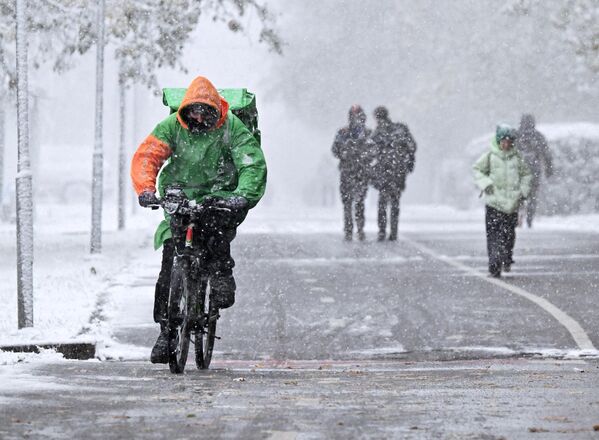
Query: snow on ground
{"x": 413, "y": 218}
{"x": 71, "y": 287}
{"x": 73, "y": 290}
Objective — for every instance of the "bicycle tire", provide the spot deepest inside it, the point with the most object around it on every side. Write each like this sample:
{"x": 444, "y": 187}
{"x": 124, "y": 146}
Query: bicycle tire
{"x": 179, "y": 317}
{"x": 205, "y": 336}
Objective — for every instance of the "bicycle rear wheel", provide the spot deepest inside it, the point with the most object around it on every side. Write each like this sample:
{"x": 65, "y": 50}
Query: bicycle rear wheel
{"x": 206, "y": 332}
{"x": 179, "y": 317}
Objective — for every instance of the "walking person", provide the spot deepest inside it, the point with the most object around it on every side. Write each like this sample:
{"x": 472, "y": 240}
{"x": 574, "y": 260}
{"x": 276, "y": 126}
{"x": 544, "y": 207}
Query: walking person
{"x": 354, "y": 148}
{"x": 395, "y": 159}
{"x": 535, "y": 151}
{"x": 505, "y": 180}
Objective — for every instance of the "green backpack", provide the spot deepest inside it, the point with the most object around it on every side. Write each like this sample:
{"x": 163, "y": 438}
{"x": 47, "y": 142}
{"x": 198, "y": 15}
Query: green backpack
{"x": 241, "y": 102}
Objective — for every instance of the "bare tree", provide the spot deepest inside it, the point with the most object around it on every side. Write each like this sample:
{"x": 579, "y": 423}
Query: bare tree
{"x": 2, "y": 148}
{"x": 24, "y": 178}
{"x": 142, "y": 47}
{"x": 577, "y": 28}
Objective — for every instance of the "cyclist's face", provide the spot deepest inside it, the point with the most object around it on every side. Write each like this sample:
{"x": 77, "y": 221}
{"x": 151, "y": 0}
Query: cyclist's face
{"x": 204, "y": 115}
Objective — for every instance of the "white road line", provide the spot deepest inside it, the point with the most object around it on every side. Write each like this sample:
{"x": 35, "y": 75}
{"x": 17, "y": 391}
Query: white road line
{"x": 574, "y": 328}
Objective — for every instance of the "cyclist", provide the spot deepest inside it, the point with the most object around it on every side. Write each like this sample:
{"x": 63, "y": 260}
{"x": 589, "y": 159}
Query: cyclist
{"x": 215, "y": 159}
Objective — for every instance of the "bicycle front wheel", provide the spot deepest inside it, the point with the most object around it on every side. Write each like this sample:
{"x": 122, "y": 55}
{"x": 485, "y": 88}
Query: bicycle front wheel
{"x": 179, "y": 318}
{"x": 206, "y": 333}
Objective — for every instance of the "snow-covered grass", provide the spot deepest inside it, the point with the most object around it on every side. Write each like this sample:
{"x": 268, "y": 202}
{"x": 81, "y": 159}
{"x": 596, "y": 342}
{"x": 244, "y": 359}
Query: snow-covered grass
{"x": 414, "y": 218}
{"x": 70, "y": 285}
{"x": 309, "y": 220}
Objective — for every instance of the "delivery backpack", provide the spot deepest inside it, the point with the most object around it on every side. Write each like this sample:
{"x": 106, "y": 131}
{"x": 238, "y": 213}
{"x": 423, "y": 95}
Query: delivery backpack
{"x": 241, "y": 103}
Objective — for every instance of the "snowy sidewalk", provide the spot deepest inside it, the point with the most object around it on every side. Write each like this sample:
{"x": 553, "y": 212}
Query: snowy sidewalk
{"x": 73, "y": 290}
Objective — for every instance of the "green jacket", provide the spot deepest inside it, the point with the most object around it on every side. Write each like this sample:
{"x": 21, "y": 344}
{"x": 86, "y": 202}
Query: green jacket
{"x": 504, "y": 178}
{"x": 223, "y": 162}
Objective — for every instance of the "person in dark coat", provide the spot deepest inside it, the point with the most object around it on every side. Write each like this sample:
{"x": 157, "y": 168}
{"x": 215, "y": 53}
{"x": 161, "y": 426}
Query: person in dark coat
{"x": 535, "y": 151}
{"x": 354, "y": 149}
{"x": 395, "y": 159}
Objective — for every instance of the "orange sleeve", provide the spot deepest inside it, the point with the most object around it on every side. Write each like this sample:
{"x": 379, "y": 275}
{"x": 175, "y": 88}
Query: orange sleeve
{"x": 146, "y": 163}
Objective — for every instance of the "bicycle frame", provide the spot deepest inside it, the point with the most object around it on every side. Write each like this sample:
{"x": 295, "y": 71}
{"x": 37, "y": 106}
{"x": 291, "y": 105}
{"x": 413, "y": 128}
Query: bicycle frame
{"x": 187, "y": 309}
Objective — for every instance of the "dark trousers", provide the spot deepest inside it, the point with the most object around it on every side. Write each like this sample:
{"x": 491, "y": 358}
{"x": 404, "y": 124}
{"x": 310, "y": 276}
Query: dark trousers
{"x": 501, "y": 237}
{"x": 218, "y": 243}
{"x": 353, "y": 207}
{"x": 386, "y": 199}
{"x": 531, "y": 201}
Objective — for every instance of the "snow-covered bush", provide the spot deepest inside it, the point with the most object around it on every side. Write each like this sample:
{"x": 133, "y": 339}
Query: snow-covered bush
{"x": 573, "y": 188}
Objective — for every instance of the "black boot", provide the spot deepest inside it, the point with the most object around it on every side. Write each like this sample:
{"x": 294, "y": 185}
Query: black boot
{"x": 160, "y": 351}
{"x": 495, "y": 270}
{"x": 222, "y": 289}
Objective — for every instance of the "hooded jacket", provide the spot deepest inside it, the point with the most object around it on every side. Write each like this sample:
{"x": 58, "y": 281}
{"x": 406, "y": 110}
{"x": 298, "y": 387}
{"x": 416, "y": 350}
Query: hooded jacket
{"x": 224, "y": 161}
{"x": 504, "y": 177}
{"x": 395, "y": 156}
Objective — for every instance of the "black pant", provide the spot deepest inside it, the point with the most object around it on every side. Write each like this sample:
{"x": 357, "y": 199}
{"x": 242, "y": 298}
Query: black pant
{"x": 386, "y": 199}
{"x": 353, "y": 206}
{"x": 219, "y": 232}
{"x": 531, "y": 201}
{"x": 501, "y": 237}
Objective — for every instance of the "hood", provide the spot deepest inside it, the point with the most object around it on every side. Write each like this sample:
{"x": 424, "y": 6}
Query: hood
{"x": 202, "y": 91}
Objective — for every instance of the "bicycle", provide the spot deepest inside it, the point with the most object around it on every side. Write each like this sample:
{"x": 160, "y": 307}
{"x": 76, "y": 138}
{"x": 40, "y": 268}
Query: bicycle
{"x": 188, "y": 311}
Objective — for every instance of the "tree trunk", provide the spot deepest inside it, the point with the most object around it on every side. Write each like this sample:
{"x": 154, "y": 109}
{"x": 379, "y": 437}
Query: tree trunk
{"x": 122, "y": 155}
{"x": 2, "y": 149}
{"x": 134, "y": 131}
{"x": 97, "y": 176}
{"x": 23, "y": 180}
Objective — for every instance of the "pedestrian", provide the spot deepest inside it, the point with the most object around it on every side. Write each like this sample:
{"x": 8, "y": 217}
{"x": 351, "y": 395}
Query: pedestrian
{"x": 354, "y": 148}
{"x": 505, "y": 179}
{"x": 395, "y": 159}
{"x": 211, "y": 154}
{"x": 533, "y": 147}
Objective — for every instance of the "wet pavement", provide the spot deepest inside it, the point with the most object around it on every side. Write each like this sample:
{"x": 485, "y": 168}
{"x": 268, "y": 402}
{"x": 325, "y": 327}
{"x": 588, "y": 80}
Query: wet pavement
{"x": 494, "y": 399}
{"x": 350, "y": 340}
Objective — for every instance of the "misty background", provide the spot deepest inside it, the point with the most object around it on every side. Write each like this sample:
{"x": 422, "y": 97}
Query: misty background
{"x": 450, "y": 70}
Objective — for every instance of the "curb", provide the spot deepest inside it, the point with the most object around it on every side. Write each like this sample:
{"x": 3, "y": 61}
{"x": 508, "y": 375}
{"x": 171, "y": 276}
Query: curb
{"x": 70, "y": 350}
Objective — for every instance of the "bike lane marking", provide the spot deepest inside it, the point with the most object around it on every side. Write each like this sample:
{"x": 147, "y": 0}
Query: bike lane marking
{"x": 574, "y": 328}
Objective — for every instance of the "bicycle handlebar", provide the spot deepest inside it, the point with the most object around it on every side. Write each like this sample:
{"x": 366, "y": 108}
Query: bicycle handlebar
{"x": 183, "y": 206}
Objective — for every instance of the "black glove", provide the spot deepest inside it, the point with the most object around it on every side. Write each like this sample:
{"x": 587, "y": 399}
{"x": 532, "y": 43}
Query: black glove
{"x": 148, "y": 198}
{"x": 235, "y": 203}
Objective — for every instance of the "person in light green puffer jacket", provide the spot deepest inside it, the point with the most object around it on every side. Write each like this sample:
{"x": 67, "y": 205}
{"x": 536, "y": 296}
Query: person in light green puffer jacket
{"x": 505, "y": 180}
